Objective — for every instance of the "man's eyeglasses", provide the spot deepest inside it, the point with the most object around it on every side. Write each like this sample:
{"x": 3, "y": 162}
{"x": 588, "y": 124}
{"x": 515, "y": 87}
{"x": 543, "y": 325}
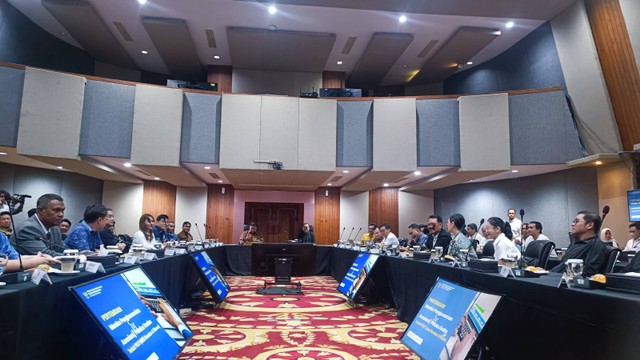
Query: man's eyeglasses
{"x": 576, "y": 220}
{"x": 431, "y": 225}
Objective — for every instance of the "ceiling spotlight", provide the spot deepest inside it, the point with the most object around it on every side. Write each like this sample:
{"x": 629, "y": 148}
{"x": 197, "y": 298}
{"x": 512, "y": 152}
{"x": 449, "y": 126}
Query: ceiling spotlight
{"x": 497, "y": 33}
{"x": 416, "y": 173}
{"x": 216, "y": 57}
{"x": 220, "y": 181}
{"x": 59, "y": 167}
{"x": 207, "y": 167}
{"x": 144, "y": 52}
{"x": 402, "y": 19}
{"x": 272, "y": 10}
{"x": 345, "y": 171}
{"x": 339, "y": 62}
{"x": 62, "y": 33}
{"x": 598, "y": 162}
{"x": 272, "y": 28}
{"x": 385, "y": 184}
{"x": 3, "y": 153}
{"x": 515, "y": 171}
{"x": 509, "y": 25}
{"x": 127, "y": 164}
{"x": 329, "y": 184}
{"x": 156, "y": 178}
{"x": 469, "y": 62}
{"x": 142, "y": 2}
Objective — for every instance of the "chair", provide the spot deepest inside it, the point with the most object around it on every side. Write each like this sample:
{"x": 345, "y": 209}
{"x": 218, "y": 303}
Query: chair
{"x": 474, "y": 244}
{"x": 488, "y": 250}
{"x": 610, "y": 260}
{"x": 245, "y": 227}
{"x": 537, "y": 253}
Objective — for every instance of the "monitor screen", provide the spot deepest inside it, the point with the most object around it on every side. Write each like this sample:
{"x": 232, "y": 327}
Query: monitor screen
{"x": 449, "y": 321}
{"x": 357, "y": 274}
{"x": 136, "y": 316}
{"x": 633, "y": 200}
{"x": 264, "y": 255}
{"x": 213, "y": 279}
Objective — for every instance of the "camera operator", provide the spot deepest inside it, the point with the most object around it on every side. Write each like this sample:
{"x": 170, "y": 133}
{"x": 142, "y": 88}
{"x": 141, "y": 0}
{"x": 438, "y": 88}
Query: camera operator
{"x": 18, "y": 200}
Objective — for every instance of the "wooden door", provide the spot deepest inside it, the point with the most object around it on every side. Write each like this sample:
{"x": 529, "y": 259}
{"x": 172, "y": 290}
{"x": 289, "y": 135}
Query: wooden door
{"x": 277, "y": 222}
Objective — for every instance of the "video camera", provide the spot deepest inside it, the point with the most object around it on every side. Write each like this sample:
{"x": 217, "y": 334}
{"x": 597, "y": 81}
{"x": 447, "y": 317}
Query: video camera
{"x": 17, "y": 198}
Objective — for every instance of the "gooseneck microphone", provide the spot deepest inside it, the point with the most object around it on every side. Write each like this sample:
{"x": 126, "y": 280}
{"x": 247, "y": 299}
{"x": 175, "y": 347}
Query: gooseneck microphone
{"x": 356, "y": 237}
{"x": 197, "y": 228}
{"x": 342, "y": 233}
{"x": 605, "y": 211}
{"x": 349, "y": 237}
{"x": 522, "y": 215}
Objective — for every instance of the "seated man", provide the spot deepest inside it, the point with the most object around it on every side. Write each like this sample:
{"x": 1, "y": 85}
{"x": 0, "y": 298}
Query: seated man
{"x": 185, "y": 234}
{"x": 250, "y": 236}
{"x": 437, "y": 237}
{"x": 40, "y": 233}
{"x": 65, "y": 226}
{"x": 416, "y": 238}
{"x": 390, "y": 239}
{"x": 108, "y": 234}
{"x": 634, "y": 243}
{"x": 587, "y": 245}
{"x": 306, "y": 235}
{"x": 5, "y": 223}
{"x": 86, "y": 235}
{"x": 28, "y": 261}
{"x": 534, "y": 230}
{"x": 368, "y": 236}
{"x": 171, "y": 231}
{"x": 160, "y": 228}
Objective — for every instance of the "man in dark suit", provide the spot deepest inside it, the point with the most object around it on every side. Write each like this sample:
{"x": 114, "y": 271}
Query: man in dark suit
{"x": 437, "y": 237}
{"x": 306, "y": 235}
{"x": 40, "y": 232}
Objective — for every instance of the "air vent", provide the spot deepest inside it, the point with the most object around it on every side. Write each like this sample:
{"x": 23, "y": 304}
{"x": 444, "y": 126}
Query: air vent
{"x": 336, "y": 179}
{"x": 348, "y": 45}
{"x": 144, "y": 173}
{"x": 123, "y": 31}
{"x": 211, "y": 39}
{"x": 427, "y": 48}
{"x": 214, "y": 175}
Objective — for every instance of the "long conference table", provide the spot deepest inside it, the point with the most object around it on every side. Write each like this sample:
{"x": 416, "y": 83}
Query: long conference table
{"x": 535, "y": 319}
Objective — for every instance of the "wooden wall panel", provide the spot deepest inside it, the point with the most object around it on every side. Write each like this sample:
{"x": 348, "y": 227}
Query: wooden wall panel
{"x": 327, "y": 216}
{"x": 333, "y": 79}
{"x": 220, "y": 74}
{"x": 618, "y": 66}
{"x": 383, "y": 208}
{"x": 159, "y": 197}
{"x": 220, "y": 213}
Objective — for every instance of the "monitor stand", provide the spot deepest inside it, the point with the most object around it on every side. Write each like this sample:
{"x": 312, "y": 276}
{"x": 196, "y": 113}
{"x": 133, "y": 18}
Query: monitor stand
{"x": 282, "y": 284}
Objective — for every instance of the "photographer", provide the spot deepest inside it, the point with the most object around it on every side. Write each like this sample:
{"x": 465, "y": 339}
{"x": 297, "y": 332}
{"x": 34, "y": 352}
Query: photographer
{"x": 18, "y": 200}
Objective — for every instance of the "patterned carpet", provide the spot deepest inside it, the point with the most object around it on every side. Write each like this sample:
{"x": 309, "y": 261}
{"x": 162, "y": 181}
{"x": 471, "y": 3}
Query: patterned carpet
{"x": 316, "y": 325}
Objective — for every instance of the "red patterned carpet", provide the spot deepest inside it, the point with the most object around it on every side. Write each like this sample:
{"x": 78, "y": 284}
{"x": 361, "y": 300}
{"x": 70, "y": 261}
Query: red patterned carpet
{"x": 317, "y": 325}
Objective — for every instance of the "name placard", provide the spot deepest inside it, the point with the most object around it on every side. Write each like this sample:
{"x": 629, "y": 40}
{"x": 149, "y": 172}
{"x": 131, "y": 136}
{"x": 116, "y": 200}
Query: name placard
{"x": 132, "y": 260}
{"x": 39, "y": 275}
{"x": 181, "y": 251}
{"x": 150, "y": 256}
{"x": 94, "y": 267}
{"x": 169, "y": 252}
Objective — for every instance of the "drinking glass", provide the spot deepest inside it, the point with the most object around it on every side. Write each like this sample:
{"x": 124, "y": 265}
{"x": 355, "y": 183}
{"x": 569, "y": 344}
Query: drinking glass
{"x": 439, "y": 251}
{"x": 464, "y": 255}
{"x": 4, "y": 259}
{"x": 575, "y": 267}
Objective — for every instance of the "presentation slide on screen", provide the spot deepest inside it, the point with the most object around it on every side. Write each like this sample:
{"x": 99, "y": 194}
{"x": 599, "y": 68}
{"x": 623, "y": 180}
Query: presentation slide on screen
{"x": 211, "y": 274}
{"x": 633, "y": 199}
{"x": 357, "y": 274}
{"x": 136, "y": 316}
{"x": 449, "y": 321}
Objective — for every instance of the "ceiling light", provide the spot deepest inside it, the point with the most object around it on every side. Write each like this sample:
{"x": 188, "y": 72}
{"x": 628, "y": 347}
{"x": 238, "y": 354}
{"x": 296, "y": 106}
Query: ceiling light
{"x": 469, "y": 62}
{"x": 416, "y": 173}
{"x": 329, "y": 184}
{"x": 60, "y": 167}
{"x": 515, "y": 171}
{"x": 385, "y": 184}
{"x": 598, "y": 162}
{"x": 144, "y": 52}
{"x": 156, "y": 178}
{"x": 497, "y": 32}
{"x": 471, "y": 180}
{"x": 509, "y": 25}
{"x": 272, "y": 10}
{"x": 220, "y": 181}
{"x": 63, "y": 33}
{"x": 3, "y": 153}
{"x": 272, "y": 28}
{"x": 127, "y": 164}
{"x": 216, "y": 57}
{"x": 207, "y": 167}
{"x": 142, "y": 2}
{"x": 339, "y": 62}
{"x": 345, "y": 171}
{"x": 402, "y": 19}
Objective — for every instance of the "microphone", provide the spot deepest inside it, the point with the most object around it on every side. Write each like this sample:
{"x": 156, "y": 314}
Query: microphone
{"x": 349, "y": 237}
{"x": 342, "y": 233}
{"x": 206, "y": 230}
{"x": 522, "y": 215}
{"x": 354, "y": 239}
{"x": 197, "y": 228}
{"x": 605, "y": 211}
{"x": 52, "y": 244}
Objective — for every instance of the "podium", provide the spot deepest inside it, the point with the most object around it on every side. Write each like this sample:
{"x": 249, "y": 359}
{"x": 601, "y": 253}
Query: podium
{"x": 282, "y": 261}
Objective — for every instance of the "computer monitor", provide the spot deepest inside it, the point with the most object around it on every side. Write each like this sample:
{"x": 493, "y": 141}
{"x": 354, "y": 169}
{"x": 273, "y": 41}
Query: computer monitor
{"x": 633, "y": 201}
{"x": 264, "y": 255}
{"x": 135, "y": 315}
{"x": 211, "y": 276}
{"x": 357, "y": 275}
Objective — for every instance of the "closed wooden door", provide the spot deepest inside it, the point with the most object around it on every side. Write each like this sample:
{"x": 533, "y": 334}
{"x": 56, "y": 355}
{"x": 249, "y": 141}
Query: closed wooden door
{"x": 277, "y": 222}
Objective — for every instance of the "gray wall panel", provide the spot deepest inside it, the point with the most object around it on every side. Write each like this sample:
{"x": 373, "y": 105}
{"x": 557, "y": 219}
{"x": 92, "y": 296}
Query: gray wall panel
{"x": 553, "y": 199}
{"x": 107, "y": 119}
{"x": 201, "y": 116}
{"x": 317, "y": 134}
{"x": 438, "y": 132}
{"x": 355, "y": 133}
{"x": 530, "y": 118}
{"x": 11, "y": 84}
{"x": 394, "y": 123}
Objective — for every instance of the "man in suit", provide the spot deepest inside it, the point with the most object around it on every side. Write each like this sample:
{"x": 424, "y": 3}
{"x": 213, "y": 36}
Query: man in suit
{"x": 437, "y": 237}
{"x": 40, "y": 232}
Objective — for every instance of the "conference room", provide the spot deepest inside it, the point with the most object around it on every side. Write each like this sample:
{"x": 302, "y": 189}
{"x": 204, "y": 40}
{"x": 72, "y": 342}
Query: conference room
{"x": 223, "y": 114}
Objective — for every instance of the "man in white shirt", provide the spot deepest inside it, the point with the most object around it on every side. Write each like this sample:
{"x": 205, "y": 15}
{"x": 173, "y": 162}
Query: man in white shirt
{"x": 534, "y": 229}
{"x": 634, "y": 243}
{"x": 389, "y": 239}
{"x": 516, "y": 226}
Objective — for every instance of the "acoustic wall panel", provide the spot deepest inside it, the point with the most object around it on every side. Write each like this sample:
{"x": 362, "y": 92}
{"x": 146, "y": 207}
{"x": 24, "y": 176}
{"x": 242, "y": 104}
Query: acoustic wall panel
{"x": 201, "y": 128}
{"x": 484, "y": 117}
{"x": 279, "y": 130}
{"x": 530, "y": 118}
{"x": 394, "y": 140}
{"x": 157, "y": 126}
{"x": 354, "y": 134}
{"x": 51, "y": 114}
{"x": 438, "y": 132}
{"x": 107, "y": 119}
{"x": 11, "y": 84}
{"x": 240, "y": 131}
{"x": 317, "y": 134}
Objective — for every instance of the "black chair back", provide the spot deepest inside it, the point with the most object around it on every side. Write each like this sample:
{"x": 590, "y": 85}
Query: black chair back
{"x": 474, "y": 244}
{"x": 610, "y": 260}
{"x": 245, "y": 227}
{"x": 488, "y": 250}
{"x": 537, "y": 253}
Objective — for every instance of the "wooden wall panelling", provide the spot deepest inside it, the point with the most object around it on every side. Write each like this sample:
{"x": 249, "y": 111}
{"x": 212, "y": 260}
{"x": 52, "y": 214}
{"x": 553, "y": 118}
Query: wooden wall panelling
{"x": 327, "y": 216}
{"x": 222, "y": 75}
{"x": 383, "y": 208}
{"x": 159, "y": 197}
{"x": 618, "y": 66}
{"x": 220, "y": 213}
{"x": 333, "y": 79}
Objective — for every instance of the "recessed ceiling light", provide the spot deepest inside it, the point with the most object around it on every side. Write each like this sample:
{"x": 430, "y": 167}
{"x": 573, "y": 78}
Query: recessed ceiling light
{"x": 272, "y": 28}
{"x": 471, "y": 180}
{"x": 142, "y": 2}
{"x": 220, "y": 181}
{"x": 339, "y": 62}
{"x": 345, "y": 171}
{"x": 127, "y": 164}
{"x": 509, "y": 25}
{"x": 515, "y": 171}
{"x": 63, "y": 33}
{"x": 216, "y": 57}
{"x": 3, "y": 153}
{"x": 207, "y": 167}
{"x": 156, "y": 178}
{"x": 144, "y": 52}
{"x": 385, "y": 184}
{"x": 497, "y": 32}
{"x": 417, "y": 173}
{"x": 329, "y": 184}
{"x": 469, "y": 62}
{"x": 402, "y": 19}
{"x": 60, "y": 167}
{"x": 598, "y": 162}
{"x": 272, "y": 10}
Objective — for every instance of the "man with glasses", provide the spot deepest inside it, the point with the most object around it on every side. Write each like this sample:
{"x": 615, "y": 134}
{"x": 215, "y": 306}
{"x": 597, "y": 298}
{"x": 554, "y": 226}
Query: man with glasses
{"x": 160, "y": 229}
{"x": 389, "y": 238}
{"x": 437, "y": 237}
{"x": 368, "y": 236}
{"x": 587, "y": 246}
